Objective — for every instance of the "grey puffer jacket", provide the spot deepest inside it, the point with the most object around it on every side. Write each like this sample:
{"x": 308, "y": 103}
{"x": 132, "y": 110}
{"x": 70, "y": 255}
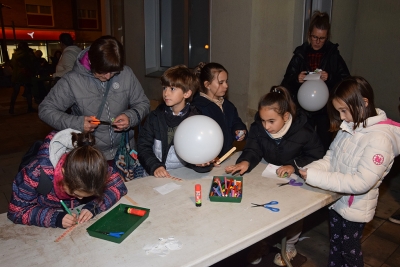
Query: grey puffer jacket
{"x": 83, "y": 92}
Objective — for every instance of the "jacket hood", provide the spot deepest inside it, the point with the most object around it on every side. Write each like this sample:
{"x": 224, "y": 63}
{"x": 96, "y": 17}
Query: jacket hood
{"x": 60, "y": 144}
{"x": 379, "y": 123}
{"x": 81, "y": 68}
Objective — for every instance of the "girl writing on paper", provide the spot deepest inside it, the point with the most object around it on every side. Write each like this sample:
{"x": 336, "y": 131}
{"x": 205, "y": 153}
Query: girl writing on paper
{"x": 358, "y": 159}
{"x": 280, "y": 135}
{"x": 67, "y": 167}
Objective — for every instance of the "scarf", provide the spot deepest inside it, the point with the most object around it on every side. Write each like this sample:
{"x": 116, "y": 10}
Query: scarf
{"x": 218, "y": 101}
{"x": 174, "y": 120}
{"x": 282, "y": 131}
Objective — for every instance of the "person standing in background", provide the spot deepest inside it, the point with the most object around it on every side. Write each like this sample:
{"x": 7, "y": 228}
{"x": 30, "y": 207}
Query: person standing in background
{"x": 23, "y": 65}
{"x": 68, "y": 57}
{"x": 317, "y": 53}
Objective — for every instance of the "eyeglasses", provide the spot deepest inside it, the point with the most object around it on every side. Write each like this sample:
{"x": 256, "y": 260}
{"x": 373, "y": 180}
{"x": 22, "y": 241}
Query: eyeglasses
{"x": 316, "y": 38}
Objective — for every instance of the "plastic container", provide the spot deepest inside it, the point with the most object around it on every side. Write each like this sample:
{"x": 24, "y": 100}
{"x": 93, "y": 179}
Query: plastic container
{"x": 216, "y": 198}
{"x": 117, "y": 220}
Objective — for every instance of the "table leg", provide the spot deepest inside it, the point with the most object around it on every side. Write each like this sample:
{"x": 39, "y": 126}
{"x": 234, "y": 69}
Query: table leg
{"x": 283, "y": 253}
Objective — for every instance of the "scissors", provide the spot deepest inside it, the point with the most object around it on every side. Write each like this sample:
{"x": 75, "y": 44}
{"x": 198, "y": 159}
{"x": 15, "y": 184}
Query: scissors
{"x": 292, "y": 182}
{"x": 266, "y": 205}
{"x": 113, "y": 234}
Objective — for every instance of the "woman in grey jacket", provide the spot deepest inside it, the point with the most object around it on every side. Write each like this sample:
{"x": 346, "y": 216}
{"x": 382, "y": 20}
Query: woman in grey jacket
{"x": 356, "y": 163}
{"x": 98, "y": 74}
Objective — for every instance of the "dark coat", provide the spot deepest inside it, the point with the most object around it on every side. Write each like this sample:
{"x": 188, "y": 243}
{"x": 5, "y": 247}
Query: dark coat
{"x": 331, "y": 62}
{"x": 156, "y": 128}
{"x": 300, "y": 143}
{"x": 229, "y": 120}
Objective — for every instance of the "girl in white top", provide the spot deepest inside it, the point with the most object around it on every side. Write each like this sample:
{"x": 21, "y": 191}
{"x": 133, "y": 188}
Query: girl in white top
{"x": 358, "y": 159}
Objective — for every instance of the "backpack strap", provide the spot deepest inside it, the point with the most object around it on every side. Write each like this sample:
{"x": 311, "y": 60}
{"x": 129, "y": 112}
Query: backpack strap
{"x": 45, "y": 183}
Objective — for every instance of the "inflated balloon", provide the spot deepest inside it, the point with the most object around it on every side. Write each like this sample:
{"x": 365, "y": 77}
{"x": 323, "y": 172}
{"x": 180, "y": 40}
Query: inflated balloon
{"x": 198, "y": 139}
{"x": 313, "y": 95}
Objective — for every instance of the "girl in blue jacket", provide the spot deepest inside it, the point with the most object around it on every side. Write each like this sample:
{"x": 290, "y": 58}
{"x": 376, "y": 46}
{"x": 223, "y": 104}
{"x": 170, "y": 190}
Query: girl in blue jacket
{"x": 212, "y": 103}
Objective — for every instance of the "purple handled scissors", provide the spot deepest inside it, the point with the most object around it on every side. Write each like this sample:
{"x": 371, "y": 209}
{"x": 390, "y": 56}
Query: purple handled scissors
{"x": 291, "y": 182}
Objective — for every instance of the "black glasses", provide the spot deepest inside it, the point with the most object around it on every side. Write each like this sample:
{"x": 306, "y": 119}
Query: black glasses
{"x": 316, "y": 38}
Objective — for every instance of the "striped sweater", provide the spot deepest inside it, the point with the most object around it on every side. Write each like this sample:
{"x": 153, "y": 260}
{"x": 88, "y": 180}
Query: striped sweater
{"x": 29, "y": 207}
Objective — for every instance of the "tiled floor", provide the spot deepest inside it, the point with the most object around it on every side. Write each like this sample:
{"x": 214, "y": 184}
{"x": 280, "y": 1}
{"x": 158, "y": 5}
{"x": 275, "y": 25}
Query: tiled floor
{"x": 381, "y": 241}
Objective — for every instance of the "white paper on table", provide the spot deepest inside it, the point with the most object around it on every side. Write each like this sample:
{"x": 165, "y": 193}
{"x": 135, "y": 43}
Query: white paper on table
{"x": 312, "y": 76}
{"x": 270, "y": 172}
{"x": 167, "y": 188}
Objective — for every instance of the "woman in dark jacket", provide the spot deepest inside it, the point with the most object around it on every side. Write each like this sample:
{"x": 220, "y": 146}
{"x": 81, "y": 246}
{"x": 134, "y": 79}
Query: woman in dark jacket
{"x": 317, "y": 53}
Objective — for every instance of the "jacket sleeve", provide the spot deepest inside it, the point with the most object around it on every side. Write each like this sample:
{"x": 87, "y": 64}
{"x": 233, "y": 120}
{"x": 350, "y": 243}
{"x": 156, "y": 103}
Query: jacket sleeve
{"x": 237, "y": 122}
{"x": 24, "y": 207}
{"x": 115, "y": 189}
{"x": 145, "y": 142}
{"x": 313, "y": 150}
{"x": 374, "y": 163}
{"x": 139, "y": 104}
{"x": 251, "y": 152}
{"x": 65, "y": 63}
{"x": 290, "y": 80}
{"x": 338, "y": 70}
{"x": 58, "y": 100}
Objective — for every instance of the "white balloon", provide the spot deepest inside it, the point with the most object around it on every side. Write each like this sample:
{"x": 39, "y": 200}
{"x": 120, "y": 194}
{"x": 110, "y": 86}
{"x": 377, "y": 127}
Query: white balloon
{"x": 198, "y": 139}
{"x": 313, "y": 95}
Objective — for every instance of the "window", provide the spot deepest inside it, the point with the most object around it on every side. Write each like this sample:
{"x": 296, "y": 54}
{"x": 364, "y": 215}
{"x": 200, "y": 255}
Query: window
{"x": 39, "y": 12}
{"x": 177, "y": 32}
{"x": 87, "y": 13}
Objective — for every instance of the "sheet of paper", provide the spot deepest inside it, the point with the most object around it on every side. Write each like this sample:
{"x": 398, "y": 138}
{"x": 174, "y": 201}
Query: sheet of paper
{"x": 167, "y": 188}
{"x": 270, "y": 172}
{"x": 312, "y": 76}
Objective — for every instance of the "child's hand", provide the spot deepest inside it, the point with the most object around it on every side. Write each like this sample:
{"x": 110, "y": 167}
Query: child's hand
{"x": 241, "y": 167}
{"x": 161, "y": 172}
{"x": 85, "y": 216}
{"x": 303, "y": 173}
{"x": 285, "y": 169}
{"x": 240, "y": 134}
{"x": 69, "y": 220}
{"x": 205, "y": 164}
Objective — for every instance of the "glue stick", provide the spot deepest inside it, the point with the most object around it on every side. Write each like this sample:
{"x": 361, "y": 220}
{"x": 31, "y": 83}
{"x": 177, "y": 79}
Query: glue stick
{"x": 136, "y": 212}
{"x": 239, "y": 135}
{"x": 197, "y": 195}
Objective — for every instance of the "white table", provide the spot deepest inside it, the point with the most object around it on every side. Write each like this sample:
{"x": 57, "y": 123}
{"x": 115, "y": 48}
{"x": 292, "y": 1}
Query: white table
{"x": 209, "y": 233}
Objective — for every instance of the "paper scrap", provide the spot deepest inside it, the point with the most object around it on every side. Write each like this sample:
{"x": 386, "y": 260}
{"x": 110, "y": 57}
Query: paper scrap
{"x": 312, "y": 76}
{"x": 163, "y": 247}
{"x": 270, "y": 172}
{"x": 167, "y": 188}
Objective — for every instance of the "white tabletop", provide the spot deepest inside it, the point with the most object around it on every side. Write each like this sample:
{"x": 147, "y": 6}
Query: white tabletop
{"x": 208, "y": 233}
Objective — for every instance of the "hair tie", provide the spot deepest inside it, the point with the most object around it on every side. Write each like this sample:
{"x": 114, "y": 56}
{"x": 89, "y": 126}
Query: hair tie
{"x": 276, "y": 90}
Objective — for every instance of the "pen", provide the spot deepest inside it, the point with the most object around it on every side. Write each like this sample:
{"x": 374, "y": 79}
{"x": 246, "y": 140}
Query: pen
{"x": 65, "y": 207}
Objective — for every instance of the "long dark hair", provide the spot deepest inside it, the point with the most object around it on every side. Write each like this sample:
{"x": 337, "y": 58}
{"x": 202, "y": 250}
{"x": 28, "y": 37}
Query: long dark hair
{"x": 207, "y": 72}
{"x": 85, "y": 167}
{"x": 280, "y": 96}
{"x": 352, "y": 91}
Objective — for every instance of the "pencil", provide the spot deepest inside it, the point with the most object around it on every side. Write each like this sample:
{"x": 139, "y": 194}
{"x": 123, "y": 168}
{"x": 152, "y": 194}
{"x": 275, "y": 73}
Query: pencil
{"x": 65, "y": 207}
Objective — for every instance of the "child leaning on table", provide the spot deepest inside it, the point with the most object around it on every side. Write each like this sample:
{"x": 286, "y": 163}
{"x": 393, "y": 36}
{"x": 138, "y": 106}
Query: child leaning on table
{"x": 358, "y": 159}
{"x": 211, "y": 102}
{"x": 280, "y": 135}
{"x": 156, "y": 150}
{"x": 67, "y": 167}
